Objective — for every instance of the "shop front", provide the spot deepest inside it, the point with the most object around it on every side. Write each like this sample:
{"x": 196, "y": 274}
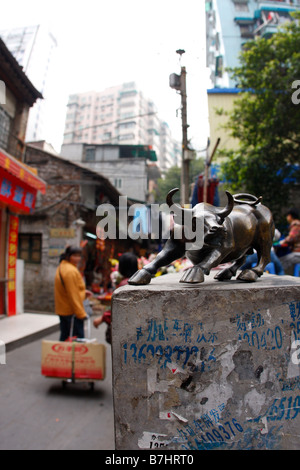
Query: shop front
{"x": 19, "y": 185}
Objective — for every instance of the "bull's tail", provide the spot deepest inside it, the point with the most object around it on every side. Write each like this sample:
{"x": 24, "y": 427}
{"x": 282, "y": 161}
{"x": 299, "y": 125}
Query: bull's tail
{"x": 244, "y": 198}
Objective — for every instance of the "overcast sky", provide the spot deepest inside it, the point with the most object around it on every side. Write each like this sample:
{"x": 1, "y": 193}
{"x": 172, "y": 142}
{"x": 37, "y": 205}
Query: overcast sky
{"x": 106, "y": 43}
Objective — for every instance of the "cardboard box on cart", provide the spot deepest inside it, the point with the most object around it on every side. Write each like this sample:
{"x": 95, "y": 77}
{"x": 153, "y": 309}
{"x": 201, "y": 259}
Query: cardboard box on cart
{"x": 73, "y": 360}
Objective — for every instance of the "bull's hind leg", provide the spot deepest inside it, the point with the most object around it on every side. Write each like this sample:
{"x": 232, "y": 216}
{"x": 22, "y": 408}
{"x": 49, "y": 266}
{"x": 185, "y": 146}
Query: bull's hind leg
{"x": 263, "y": 258}
{"x": 248, "y": 275}
{"x": 227, "y": 273}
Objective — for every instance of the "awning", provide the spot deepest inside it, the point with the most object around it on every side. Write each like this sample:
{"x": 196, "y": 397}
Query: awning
{"x": 23, "y": 172}
{"x": 244, "y": 20}
{"x": 278, "y": 8}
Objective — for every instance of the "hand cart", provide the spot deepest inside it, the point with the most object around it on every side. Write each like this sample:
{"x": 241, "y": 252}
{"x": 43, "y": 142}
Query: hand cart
{"x": 74, "y": 360}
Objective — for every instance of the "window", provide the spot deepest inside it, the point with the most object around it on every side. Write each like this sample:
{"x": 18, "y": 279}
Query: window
{"x": 90, "y": 154}
{"x": 118, "y": 183}
{"x": 241, "y": 6}
{"x": 4, "y": 128}
{"x": 247, "y": 31}
{"x": 126, "y": 104}
{"x": 106, "y": 135}
{"x": 30, "y": 247}
{"x": 127, "y": 125}
{"x": 126, "y": 115}
{"x": 219, "y": 66}
{"x": 126, "y": 137}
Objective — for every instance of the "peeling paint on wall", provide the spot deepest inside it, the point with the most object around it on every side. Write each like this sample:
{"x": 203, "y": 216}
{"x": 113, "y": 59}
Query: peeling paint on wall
{"x": 211, "y": 375}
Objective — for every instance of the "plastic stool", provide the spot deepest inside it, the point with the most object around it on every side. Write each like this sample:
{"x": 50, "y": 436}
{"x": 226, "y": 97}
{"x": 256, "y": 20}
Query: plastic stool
{"x": 297, "y": 270}
{"x": 270, "y": 268}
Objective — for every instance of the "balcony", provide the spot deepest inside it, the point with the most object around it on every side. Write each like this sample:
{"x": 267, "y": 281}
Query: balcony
{"x": 268, "y": 30}
{"x": 272, "y": 15}
{"x": 10, "y": 143}
{"x": 278, "y": 5}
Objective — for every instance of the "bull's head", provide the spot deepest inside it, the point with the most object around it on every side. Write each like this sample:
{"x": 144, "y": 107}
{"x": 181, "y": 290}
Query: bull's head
{"x": 213, "y": 217}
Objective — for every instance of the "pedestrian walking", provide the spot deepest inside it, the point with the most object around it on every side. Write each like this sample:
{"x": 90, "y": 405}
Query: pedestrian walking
{"x": 70, "y": 293}
{"x": 292, "y": 240}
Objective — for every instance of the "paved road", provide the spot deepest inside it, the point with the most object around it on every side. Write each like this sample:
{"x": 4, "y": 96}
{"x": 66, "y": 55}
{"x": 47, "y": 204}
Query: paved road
{"x": 36, "y": 413}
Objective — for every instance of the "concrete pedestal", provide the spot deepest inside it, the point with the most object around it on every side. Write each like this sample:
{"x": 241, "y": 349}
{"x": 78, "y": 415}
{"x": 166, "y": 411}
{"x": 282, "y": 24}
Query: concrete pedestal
{"x": 207, "y": 366}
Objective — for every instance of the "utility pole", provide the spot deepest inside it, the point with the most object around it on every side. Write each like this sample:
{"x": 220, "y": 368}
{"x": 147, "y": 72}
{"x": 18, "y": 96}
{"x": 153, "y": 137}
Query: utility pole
{"x": 207, "y": 165}
{"x": 185, "y": 161}
{"x": 178, "y": 82}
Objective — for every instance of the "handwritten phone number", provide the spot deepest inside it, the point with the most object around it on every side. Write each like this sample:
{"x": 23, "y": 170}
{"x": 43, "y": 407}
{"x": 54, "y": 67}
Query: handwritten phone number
{"x": 164, "y": 355}
{"x": 224, "y": 432}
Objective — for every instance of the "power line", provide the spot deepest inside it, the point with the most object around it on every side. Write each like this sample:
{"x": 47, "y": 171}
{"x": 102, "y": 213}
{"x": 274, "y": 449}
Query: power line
{"x": 109, "y": 123}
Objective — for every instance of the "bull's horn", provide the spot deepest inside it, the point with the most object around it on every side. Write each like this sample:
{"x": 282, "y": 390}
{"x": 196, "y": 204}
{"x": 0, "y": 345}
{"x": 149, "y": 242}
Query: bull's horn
{"x": 226, "y": 211}
{"x": 179, "y": 210}
{"x": 170, "y": 195}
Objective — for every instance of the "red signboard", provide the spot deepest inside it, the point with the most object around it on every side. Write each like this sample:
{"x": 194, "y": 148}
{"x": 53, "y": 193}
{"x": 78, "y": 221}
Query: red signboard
{"x": 15, "y": 193}
{"x": 22, "y": 172}
{"x": 2, "y": 284}
{"x": 12, "y": 265}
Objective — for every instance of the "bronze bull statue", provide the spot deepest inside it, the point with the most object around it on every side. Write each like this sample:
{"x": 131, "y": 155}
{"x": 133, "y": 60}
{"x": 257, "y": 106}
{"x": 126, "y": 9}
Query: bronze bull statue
{"x": 229, "y": 235}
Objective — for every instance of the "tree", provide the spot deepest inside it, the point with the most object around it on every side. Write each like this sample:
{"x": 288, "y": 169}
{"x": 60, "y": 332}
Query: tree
{"x": 266, "y": 117}
{"x": 172, "y": 179}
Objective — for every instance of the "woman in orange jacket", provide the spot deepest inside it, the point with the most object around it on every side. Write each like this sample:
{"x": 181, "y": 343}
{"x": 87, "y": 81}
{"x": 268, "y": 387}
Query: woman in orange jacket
{"x": 70, "y": 292}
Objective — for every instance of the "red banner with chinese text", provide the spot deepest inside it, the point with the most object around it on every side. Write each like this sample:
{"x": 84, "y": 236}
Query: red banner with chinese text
{"x": 15, "y": 193}
{"x": 12, "y": 265}
{"x": 21, "y": 171}
{"x": 2, "y": 271}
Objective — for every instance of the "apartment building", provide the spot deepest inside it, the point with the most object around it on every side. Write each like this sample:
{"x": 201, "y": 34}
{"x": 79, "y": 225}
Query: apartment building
{"x": 231, "y": 23}
{"x": 33, "y": 48}
{"x": 119, "y": 115}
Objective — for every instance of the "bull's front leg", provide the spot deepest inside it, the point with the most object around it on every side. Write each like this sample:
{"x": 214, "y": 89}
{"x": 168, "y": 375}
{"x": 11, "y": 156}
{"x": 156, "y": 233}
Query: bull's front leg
{"x": 196, "y": 273}
{"x": 173, "y": 250}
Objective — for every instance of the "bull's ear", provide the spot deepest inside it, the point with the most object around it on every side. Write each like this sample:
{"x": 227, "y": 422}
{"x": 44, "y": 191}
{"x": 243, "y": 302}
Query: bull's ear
{"x": 223, "y": 213}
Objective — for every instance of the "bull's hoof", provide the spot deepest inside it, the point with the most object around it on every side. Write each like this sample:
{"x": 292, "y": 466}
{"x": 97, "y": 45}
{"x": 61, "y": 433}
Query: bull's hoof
{"x": 224, "y": 275}
{"x": 248, "y": 276}
{"x": 193, "y": 275}
{"x": 140, "y": 278}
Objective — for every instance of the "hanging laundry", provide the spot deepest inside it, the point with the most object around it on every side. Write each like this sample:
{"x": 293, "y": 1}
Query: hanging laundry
{"x": 212, "y": 191}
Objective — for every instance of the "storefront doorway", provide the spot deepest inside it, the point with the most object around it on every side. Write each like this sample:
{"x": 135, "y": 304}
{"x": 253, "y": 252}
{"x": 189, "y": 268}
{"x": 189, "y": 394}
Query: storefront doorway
{"x": 3, "y": 226}
{"x": 18, "y": 188}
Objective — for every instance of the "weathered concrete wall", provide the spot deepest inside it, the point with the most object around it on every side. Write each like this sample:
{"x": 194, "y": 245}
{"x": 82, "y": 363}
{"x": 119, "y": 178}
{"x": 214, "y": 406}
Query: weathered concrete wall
{"x": 209, "y": 366}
